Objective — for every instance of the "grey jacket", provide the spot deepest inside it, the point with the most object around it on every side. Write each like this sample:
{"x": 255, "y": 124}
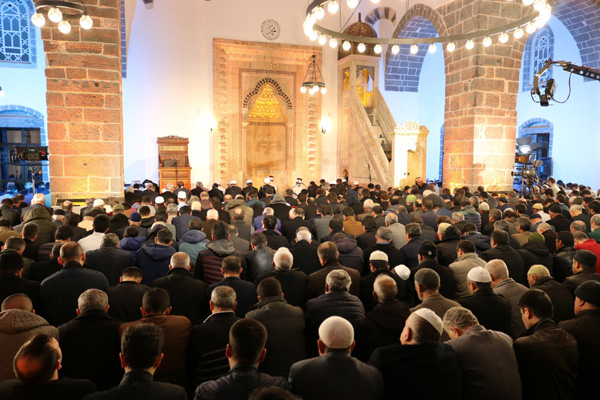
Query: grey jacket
{"x": 513, "y": 291}
{"x": 460, "y": 268}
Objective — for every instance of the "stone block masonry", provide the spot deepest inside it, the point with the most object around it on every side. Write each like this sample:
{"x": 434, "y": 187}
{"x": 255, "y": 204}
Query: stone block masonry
{"x": 85, "y": 117}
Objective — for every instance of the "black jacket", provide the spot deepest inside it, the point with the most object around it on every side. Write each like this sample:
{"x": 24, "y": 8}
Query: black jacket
{"x": 446, "y": 251}
{"x": 61, "y": 389}
{"x": 90, "y": 347}
{"x": 275, "y": 240}
{"x": 315, "y": 285}
{"x": 245, "y": 292}
{"x": 410, "y": 252}
{"x": 514, "y": 262}
{"x": 548, "y": 362}
{"x": 12, "y": 284}
{"x": 293, "y": 285}
{"x": 493, "y": 311}
{"x": 585, "y": 327}
{"x": 239, "y": 382}
{"x": 562, "y": 265}
{"x": 367, "y": 239}
{"x": 288, "y": 228}
{"x": 125, "y": 301}
{"x": 140, "y": 385}
{"x": 405, "y": 291}
{"x": 381, "y": 326}
{"x": 305, "y": 257}
{"x": 447, "y": 282}
{"x": 188, "y": 295}
{"x": 561, "y": 297}
{"x": 560, "y": 223}
{"x": 573, "y": 282}
{"x": 110, "y": 261}
{"x": 258, "y": 261}
{"x": 206, "y": 351}
{"x": 395, "y": 256}
{"x": 536, "y": 253}
{"x": 286, "y": 334}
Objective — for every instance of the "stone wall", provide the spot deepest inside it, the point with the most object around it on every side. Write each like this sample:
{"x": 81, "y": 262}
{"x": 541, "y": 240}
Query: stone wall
{"x": 85, "y": 134}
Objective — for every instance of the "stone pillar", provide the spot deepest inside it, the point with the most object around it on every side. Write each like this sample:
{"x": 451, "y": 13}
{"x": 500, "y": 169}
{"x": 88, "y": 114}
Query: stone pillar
{"x": 481, "y": 96}
{"x": 409, "y": 155}
{"x": 85, "y": 132}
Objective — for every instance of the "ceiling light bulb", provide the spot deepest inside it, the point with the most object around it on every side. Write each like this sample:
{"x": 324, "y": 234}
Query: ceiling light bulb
{"x": 539, "y": 4}
{"x": 361, "y": 47}
{"x": 375, "y": 1}
{"x": 319, "y": 12}
{"x": 528, "y": 2}
{"x": 323, "y": 90}
{"x": 414, "y": 49}
{"x": 55, "y": 15}
{"x": 352, "y": 3}
{"x": 302, "y": 89}
{"x": 432, "y": 48}
{"x": 377, "y": 49}
{"x": 451, "y": 47}
{"x": 313, "y": 35}
{"x": 530, "y": 28}
{"x": 518, "y": 33}
{"x": 38, "y": 19}
{"x": 64, "y": 27}
{"x": 86, "y": 21}
{"x": 333, "y": 43}
{"x": 487, "y": 41}
{"x": 333, "y": 6}
{"x": 346, "y": 45}
{"x": 470, "y": 44}
{"x": 539, "y": 22}
{"x": 322, "y": 39}
{"x": 503, "y": 38}
{"x": 395, "y": 49}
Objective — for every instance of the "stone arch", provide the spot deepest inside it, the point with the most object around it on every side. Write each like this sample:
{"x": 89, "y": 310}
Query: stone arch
{"x": 381, "y": 13}
{"x": 402, "y": 70}
{"x": 582, "y": 19}
{"x": 276, "y": 86}
{"x": 33, "y": 113}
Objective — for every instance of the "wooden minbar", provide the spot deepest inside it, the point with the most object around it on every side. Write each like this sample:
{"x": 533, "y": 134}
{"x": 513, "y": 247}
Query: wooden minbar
{"x": 173, "y": 161}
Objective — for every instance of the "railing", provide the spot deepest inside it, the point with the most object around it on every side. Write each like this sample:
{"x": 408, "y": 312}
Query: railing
{"x": 370, "y": 140}
{"x": 384, "y": 116}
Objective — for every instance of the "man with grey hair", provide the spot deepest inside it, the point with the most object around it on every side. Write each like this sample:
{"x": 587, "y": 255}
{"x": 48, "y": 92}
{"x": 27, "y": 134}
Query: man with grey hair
{"x": 577, "y": 226}
{"x": 336, "y": 301}
{"x": 504, "y": 285}
{"x": 383, "y": 242}
{"x": 539, "y": 277}
{"x": 188, "y": 295}
{"x": 335, "y": 374}
{"x": 410, "y": 251}
{"x": 305, "y": 252}
{"x": 487, "y": 359}
{"x": 420, "y": 360}
{"x": 293, "y": 281}
{"x": 260, "y": 257}
{"x": 109, "y": 259}
{"x": 290, "y": 228}
{"x": 208, "y": 340}
{"x": 576, "y": 212}
{"x": 397, "y": 229}
{"x": 329, "y": 260}
{"x": 595, "y": 227}
{"x": 368, "y": 209}
{"x": 383, "y": 324}
{"x": 90, "y": 342}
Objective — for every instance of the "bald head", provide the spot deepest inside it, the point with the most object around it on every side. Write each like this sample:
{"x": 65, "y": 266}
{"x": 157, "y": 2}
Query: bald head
{"x": 180, "y": 260}
{"x": 19, "y": 301}
{"x": 498, "y": 271}
{"x": 535, "y": 273}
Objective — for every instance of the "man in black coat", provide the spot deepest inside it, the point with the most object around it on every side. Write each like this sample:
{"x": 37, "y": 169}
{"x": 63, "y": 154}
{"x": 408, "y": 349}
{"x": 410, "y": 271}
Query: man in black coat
{"x": 557, "y": 219}
{"x": 125, "y": 299}
{"x": 260, "y": 257}
{"x": 329, "y": 259}
{"x": 513, "y": 260}
{"x": 11, "y": 268}
{"x": 245, "y": 351}
{"x": 274, "y": 239}
{"x": 492, "y": 311}
{"x": 293, "y": 281}
{"x": 109, "y": 259}
{"x": 368, "y": 238}
{"x": 427, "y": 259}
{"x": 188, "y": 295}
{"x": 305, "y": 253}
{"x": 384, "y": 243}
{"x": 335, "y": 374}
{"x": 420, "y": 361}
{"x": 535, "y": 252}
{"x": 562, "y": 265}
{"x": 584, "y": 269}
{"x": 379, "y": 265}
{"x": 245, "y": 291}
{"x": 548, "y": 357}
{"x": 208, "y": 341}
{"x": 585, "y": 327}
{"x": 411, "y": 249}
{"x": 285, "y": 327}
{"x": 336, "y": 301}
{"x": 141, "y": 354}
{"x": 90, "y": 343}
{"x": 60, "y": 291}
{"x": 539, "y": 277}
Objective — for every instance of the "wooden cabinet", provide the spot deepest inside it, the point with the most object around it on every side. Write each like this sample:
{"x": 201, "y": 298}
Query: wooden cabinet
{"x": 173, "y": 161}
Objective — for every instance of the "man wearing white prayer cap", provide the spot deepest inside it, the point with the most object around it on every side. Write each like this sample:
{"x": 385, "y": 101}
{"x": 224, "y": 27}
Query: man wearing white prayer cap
{"x": 335, "y": 374}
{"x": 422, "y": 366}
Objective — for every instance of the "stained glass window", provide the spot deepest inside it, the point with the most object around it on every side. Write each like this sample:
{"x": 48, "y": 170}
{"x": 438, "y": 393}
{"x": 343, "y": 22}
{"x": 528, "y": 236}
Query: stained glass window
{"x": 15, "y": 31}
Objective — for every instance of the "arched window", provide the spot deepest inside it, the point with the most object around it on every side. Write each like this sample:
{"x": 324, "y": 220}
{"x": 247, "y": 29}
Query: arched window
{"x": 539, "y": 48}
{"x": 16, "y": 32}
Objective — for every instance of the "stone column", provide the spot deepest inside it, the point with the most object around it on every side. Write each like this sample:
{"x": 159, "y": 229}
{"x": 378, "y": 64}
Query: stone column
{"x": 409, "y": 137}
{"x": 481, "y": 96}
{"x": 85, "y": 132}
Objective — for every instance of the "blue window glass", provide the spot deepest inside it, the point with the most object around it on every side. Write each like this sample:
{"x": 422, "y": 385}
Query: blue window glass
{"x": 15, "y": 31}
{"x": 543, "y": 49}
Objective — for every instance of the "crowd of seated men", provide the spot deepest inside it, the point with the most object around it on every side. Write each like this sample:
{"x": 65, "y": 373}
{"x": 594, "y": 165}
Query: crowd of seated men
{"x": 322, "y": 291}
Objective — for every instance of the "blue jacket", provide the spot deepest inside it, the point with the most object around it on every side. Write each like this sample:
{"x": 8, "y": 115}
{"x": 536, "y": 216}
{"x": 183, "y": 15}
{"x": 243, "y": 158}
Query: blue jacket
{"x": 153, "y": 259}
{"x": 132, "y": 244}
{"x": 192, "y": 242}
